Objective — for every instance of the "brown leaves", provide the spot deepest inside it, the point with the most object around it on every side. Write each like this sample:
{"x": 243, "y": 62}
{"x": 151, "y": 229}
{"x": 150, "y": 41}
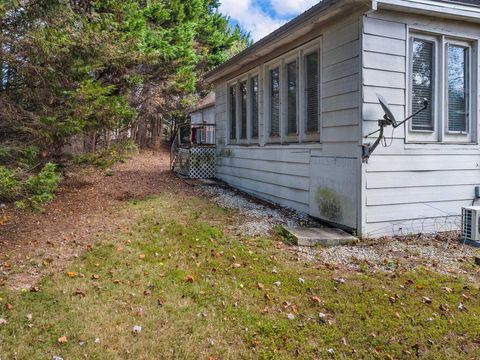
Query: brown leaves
{"x": 72, "y": 274}
{"x": 315, "y": 299}
{"x": 141, "y": 256}
{"x": 189, "y": 279}
{"x": 62, "y": 339}
{"x": 79, "y": 292}
{"x": 8, "y": 306}
{"x": 95, "y": 276}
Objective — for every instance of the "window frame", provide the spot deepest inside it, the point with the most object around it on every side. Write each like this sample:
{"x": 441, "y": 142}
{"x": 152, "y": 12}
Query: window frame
{"x": 254, "y": 140}
{"x": 267, "y": 104}
{"x": 229, "y": 139}
{"x": 441, "y": 134}
{"x": 290, "y": 137}
{"x": 262, "y": 72}
{"x": 451, "y": 134}
{"x": 239, "y": 118}
{"x": 312, "y": 136}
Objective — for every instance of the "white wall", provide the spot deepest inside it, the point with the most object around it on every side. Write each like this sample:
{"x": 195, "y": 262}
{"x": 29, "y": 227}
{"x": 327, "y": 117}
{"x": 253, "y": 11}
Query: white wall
{"x": 410, "y": 187}
{"x": 301, "y": 175}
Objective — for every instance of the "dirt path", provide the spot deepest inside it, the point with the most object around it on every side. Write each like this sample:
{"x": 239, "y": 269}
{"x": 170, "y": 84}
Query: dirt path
{"x": 87, "y": 204}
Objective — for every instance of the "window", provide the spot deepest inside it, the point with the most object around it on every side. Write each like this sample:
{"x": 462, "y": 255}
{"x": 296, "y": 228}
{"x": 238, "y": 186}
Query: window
{"x": 243, "y": 118}
{"x": 254, "y": 108}
{"x": 292, "y": 98}
{"x": 233, "y": 113}
{"x": 457, "y": 65}
{"x": 441, "y": 71}
{"x": 286, "y": 108}
{"x": 275, "y": 102}
{"x": 422, "y": 83}
{"x": 312, "y": 92}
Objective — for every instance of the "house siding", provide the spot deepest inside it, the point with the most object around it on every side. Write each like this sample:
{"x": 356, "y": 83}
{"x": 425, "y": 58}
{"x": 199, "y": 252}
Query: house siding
{"x": 294, "y": 174}
{"x": 410, "y": 187}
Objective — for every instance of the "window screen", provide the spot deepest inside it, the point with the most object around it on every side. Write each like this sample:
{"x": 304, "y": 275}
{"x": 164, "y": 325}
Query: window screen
{"x": 243, "y": 123}
{"x": 457, "y": 87}
{"x": 275, "y": 102}
{"x": 422, "y": 83}
{"x": 312, "y": 92}
{"x": 292, "y": 98}
{"x": 254, "y": 84}
{"x": 233, "y": 113}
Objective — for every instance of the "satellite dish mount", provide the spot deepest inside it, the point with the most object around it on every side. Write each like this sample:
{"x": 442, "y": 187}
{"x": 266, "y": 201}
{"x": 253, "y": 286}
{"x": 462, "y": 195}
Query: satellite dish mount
{"x": 388, "y": 119}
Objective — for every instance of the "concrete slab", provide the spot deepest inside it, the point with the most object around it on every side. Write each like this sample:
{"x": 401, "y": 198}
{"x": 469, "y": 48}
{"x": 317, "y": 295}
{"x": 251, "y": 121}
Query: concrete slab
{"x": 320, "y": 236}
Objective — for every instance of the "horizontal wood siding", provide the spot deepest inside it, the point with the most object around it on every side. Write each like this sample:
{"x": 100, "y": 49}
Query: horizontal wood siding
{"x": 408, "y": 188}
{"x": 282, "y": 173}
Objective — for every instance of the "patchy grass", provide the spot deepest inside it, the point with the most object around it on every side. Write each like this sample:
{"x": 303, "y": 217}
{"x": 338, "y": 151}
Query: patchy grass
{"x": 199, "y": 292}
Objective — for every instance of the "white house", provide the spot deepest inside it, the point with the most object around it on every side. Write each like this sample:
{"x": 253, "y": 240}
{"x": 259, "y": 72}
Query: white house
{"x": 293, "y": 111}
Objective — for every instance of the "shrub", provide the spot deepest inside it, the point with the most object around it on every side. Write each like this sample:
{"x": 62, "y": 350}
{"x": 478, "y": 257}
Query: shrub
{"x": 9, "y": 184}
{"x": 32, "y": 191}
{"x": 40, "y": 188}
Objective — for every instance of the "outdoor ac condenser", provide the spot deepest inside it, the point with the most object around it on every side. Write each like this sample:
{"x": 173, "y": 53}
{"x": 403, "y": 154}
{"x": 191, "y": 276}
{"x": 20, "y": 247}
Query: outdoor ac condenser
{"x": 471, "y": 224}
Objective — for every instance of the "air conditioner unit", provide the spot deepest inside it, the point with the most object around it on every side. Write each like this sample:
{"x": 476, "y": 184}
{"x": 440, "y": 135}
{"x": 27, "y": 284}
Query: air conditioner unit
{"x": 471, "y": 224}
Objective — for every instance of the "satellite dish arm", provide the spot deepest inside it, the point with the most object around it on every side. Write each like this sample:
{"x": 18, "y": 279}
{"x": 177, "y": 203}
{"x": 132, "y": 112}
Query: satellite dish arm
{"x": 369, "y": 149}
{"x": 424, "y": 107}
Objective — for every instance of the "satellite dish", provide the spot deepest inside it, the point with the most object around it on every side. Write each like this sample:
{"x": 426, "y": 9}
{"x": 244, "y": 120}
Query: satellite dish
{"x": 388, "y": 112}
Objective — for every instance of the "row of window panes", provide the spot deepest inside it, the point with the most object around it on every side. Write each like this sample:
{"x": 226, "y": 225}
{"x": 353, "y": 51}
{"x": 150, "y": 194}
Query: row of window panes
{"x": 243, "y": 109}
{"x": 275, "y": 103}
{"x": 424, "y": 76}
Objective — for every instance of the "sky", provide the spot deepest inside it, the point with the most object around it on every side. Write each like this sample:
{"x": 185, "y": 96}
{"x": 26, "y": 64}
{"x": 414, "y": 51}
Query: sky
{"x": 261, "y": 17}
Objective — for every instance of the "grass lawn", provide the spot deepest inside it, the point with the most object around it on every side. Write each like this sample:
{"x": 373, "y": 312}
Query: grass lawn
{"x": 199, "y": 292}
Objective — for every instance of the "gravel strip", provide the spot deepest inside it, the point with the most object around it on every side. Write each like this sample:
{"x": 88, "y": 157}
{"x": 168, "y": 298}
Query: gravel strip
{"x": 260, "y": 217}
{"x": 441, "y": 252}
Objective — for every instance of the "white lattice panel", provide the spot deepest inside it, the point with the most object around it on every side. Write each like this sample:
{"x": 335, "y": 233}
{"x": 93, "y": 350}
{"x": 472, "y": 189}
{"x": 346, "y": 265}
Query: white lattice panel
{"x": 202, "y": 162}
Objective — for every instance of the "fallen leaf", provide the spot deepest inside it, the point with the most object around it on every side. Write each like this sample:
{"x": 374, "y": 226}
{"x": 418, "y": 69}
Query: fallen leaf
{"x": 141, "y": 256}
{"x": 8, "y": 306}
{"x": 444, "y": 307}
{"x": 62, "y": 339}
{"x": 316, "y": 299}
{"x": 260, "y": 286}
{"x": 447, "y": 289}
{"x": 34, "y": 289}
{"x": 426, "y": 300}
{"x": 80, "y": 292}
{"x": 3, "y": 321}
{"x": 95, "y": 276}
{"x": 160, "y": 302}
{"x": 71, "y": 274}
{"x": 189, "y": 278}
{"x": 236, "y": 265}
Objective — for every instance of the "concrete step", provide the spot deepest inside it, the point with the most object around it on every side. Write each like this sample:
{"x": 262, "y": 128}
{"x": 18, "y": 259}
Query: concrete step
{"x": 320, "y": 236}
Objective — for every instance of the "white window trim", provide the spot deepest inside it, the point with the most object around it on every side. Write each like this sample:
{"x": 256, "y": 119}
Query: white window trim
{"x": 267, "y": 107}
{"x": 239, "y": 112}
{"x": 312, "y": 136}
{"x": 290, "y": 137}
{"x": 459, "y": 136}
{"x": 441, "y": 134}
{"x": 264, "y": 96}
{"x": 251, "y": 139}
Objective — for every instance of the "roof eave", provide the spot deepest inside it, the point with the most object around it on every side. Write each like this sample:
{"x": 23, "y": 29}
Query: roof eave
{"x": 444, "y": 9}
{"x": 249, "y": 54}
